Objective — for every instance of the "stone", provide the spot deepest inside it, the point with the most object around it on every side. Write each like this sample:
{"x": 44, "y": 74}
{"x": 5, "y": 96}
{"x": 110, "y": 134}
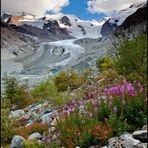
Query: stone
{"x": 122, "y": 141}
{"x": 140, "y": 135}
{"x": 46, "y": 119}
{"x": 130, "y": 138}
{"x": 16, "y": 113}
{"x": 144, "y": 127}
{"x": 52, "y": 129}
{"x": 35, "y": 136}
{"x": 141, "y": 145}
{"x": 54, "y": 122}
{"x": 17, "y": 141}
{"x": 58, "y": 142}
{"x": 54, "y": 137}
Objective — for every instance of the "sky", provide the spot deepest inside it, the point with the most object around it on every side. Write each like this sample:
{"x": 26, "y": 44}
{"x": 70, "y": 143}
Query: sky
{"x": 85, "y": 9}
{"x": 79, "y": 8}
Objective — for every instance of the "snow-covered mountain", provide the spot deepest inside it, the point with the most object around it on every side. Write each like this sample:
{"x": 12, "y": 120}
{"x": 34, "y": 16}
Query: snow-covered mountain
{"x": 77, "y": 27}
{"x": 118, "y": 18}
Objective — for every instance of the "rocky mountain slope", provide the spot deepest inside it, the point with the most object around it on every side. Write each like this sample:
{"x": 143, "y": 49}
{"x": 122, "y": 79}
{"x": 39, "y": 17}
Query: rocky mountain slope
{"x": 13, "y": 43}
{"x": 125, "y": 18}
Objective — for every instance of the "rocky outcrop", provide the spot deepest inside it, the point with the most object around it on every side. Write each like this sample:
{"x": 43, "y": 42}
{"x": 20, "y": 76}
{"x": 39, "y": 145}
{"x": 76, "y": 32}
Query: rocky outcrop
{"x": 82, "y": 29}
{"x": 108, "y": 27}
{"x": 137, "y": 20}
{"x": 6, "y": 17}
{"x": 65, "y": 20}
{"x": 140, "y": 16}
{"x": 140, "y": 135}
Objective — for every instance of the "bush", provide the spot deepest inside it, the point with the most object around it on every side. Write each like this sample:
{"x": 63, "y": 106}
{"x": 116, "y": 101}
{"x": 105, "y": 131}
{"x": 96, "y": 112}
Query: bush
{"x": 6, "y": 134}
{"x": 46, "y": 89}
{"x": 18, "y": 94}
{"x": 103, "y": 112}
{"x": 30, "y": 129}
{"x": 104, "y": 63}
{"x": 33, "y": 144}
{"x": 118, "y": 124}
{"x": 65, "y": 80}
{"x": 132, "y": 57}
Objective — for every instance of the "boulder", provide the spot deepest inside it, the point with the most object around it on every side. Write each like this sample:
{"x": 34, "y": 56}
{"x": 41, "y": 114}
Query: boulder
{"x": 124, "y": 140}
{"x": 46, "y": 119}
{"x": 17, "y": 142}
{"x": 16, "y": 113}
{"x": 35, "y": 136}
{"x": 140, "y": 135}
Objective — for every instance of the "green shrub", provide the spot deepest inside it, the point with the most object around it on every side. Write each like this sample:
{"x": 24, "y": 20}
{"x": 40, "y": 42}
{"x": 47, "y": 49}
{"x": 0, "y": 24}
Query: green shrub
{"x": 118, "y": 124}
{"x": 104, "y": 63}
{"x": 46, "y": 89}
{"x": 65, "y": 80}
{"x": 33, "y": 144}
{"x": 6, "y": 134}
{"x": 135, "y": 113}
{"x": 26, "y": 131}
{"x": 17, "y": 93}
{"x": 132, "y": 57}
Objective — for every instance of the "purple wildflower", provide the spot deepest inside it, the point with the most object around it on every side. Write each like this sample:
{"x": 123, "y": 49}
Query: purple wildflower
{"x": 90, "y": 115}
{"x": 115, "y": 109}
{"x": 94, "y": 102}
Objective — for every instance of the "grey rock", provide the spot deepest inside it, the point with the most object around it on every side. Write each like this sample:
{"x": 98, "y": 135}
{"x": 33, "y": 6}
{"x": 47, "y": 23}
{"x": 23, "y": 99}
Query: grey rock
{"x": 46, "y": 119}
{"x": 52, "y": 129}
{"x": 140, "y": 135}
{"x": 141, "y": 145}
{"x": 17, "y": 141}
{"x": 35, "y": 136}
{"x": 122, "y": 141}
{"x": 144, "y": 127}
{"x": 130, "y": 138}
{"x": 54, "y": 137}
{"x": 16, "y": 113}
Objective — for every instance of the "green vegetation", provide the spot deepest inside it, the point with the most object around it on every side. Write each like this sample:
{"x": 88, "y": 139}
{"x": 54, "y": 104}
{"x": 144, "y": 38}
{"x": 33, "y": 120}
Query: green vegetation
{"x": 68, "y": 80}
{"x": 131, "y": 59}
{"x": 104, "y": 63}
{"x": 92, "y": 109}
{"x": 17, "y": 93}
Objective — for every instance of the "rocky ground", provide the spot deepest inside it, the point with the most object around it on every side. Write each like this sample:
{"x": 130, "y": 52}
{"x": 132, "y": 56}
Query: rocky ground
{"x": 43, "y": 113}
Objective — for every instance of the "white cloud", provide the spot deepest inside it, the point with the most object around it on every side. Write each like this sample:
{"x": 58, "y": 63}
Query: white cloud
{"x": 108, "y": 6}
{"x": 36, "y": 7}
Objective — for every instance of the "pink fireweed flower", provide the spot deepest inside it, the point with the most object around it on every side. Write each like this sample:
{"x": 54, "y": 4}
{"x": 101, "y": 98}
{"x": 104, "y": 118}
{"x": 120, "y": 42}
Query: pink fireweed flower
{"x": 141, "y": 89}
{"x": 105, "y": 90}
{"x": 125, "y": 82}
{"x": 94, "y": 102}
{"x": 65, "y": 111}
{"x": 99, "y": 90}
{"x": 90, "y": 115}
{"x": 115, "y": 109}
{"x": 71, "y": 109}
{"x": 81, "y": 103}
